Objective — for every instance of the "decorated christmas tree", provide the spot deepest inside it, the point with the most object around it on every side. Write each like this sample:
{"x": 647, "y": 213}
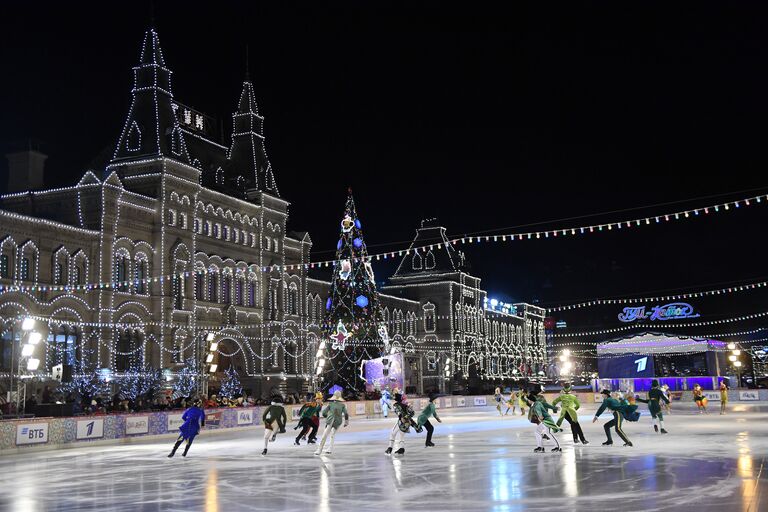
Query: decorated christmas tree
{"x": 140, "y": 381}
{"x": 185, "y": 381}
{"x": 230, "y": 385}
{"x": 353, "y": 325}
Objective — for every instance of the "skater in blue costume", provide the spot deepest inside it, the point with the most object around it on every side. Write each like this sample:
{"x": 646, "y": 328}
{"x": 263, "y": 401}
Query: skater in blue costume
{"x": 194, "y": 420}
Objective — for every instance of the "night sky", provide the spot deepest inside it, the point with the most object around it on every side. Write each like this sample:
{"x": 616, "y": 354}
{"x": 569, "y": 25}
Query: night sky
{"x": 485, "y": 119}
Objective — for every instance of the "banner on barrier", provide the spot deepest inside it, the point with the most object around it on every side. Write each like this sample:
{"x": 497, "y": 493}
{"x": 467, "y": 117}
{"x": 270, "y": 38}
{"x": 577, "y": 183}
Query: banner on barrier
{"x": 480, "y": 400}
{"x": 136, "y": 424}
{"x": 90, "y": 429}
{"x": 461, "y": 402}
{"x": 447, "y": 403}
{"x": 377, "y": 407}
{"x": 295, "y": 412}
{"x": 712, "y": 396}
{"x": 359, "y": 409}
{"x": 174, "y": 422}
{"x": 213, "y": 420}
{"x": 245, "y": 417}
{"x": 749, "y": 396}
{"x": 598, "y": 398}
{"x": 31, "y": 433}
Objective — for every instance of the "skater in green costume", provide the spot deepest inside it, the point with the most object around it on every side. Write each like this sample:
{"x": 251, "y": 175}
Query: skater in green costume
{"x": 539, "y": 416}
{"x": 615, "y": 406}
{"x": 655, "y": 397}
{"x": 570, "y": 404}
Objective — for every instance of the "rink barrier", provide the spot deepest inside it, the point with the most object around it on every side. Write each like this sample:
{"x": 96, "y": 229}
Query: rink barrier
{"x": 17, "y": 436}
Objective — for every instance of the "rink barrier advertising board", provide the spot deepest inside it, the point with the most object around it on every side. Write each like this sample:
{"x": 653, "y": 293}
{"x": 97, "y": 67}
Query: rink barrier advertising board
{"x": 376, "y": 407}
{"x": 213, "y": 420}
{"x": 91, "y": 428}
{"x": 447, "y": 403}
{"x": 174, "y": 422}
{"x": 480, "y": 400}
{"x": 598, "y": 398}
{"x": 360, "y": 409}
{"x": 245, "y": 416}
{"x": 461, "y": 402}
{"x": 295, "y": 412}
{"x": 31, "y": 433}
{"x": 749, "y": 396}
{"x": 712, "y": 396}
{"x": 136, "y": 425}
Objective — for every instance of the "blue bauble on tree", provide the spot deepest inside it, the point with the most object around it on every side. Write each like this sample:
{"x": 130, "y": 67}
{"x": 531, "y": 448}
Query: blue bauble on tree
{"x": 357, "y": 242}
{"x": 361, "y": 301}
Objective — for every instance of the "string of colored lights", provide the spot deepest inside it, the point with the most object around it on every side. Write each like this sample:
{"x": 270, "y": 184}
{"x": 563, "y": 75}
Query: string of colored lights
{"x": 509, "y": 237}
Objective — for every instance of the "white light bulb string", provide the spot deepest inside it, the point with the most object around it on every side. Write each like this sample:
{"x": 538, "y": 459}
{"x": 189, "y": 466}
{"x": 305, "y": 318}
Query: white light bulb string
{"x": 510, "y": 237}
{"x": 697, "y": 336}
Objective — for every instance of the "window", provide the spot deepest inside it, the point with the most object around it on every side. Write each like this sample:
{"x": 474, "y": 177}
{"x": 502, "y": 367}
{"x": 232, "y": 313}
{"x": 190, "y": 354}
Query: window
{"x": 64, "y": 343}
{"x": 24, "y": 270}
{"x": 58, "y": 273}
{"x": 177, "y": 289}
{"x": 235, "y": 235}
{"x": 251, "y": 293}
{"x": 213, "y": 286}
{"x": 239, "y": 292}
{"x": 183, "y": 220}
{"x": 217, "y": 230}
{"x": 429, "y": 261}
{"x": 171, "y": 217}
{"x": 199, "y": 287}
{"x": 7, "y": 339}
{"x": 226, "y": 289}
{"x": 416, "y": 261}
{"x": 207, "y": 228}
{"x": 128, "y": 349}
{"x": 5, "y": 270}
{"x": 225, "y": 236}
{"x": 267, "y": 243}
{"x": 120, "y": 273}
{"x": 197, "y": 226}
{"x": 293, "y": 300}
{"x": 140, "y": 274}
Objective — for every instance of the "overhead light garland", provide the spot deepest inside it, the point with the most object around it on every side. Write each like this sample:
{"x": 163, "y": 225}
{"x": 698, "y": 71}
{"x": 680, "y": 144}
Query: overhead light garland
{"x": 698, "y": 336}
{"x": 510, "y": 237}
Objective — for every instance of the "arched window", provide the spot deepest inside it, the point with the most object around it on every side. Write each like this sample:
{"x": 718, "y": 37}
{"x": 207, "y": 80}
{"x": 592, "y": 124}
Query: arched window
{"x": 239, "y": 283}
{"x": 133, "y": 140}
{"x": 183, "y": 220}
{"x": 416, "y": 261}
{"x": 226, "y": 288}
{"x": 213, "y": 285}
{"x": 120, "y": 272}
{"x": 429, "y": 261}
{"x": 252, "y": 292}
{"x": 60, "y": 266}
{"x": 128, "y": 354}
{"x": 293, "y": 300}
{"x": 207, "y": 228}
{"x": 225, "y": 234}
{"x": 28, "y": 262}
{"x": 199, "y": 284}
{"x": 140, "y": 273}
{"x": 429, "y": 317}
{"x": 5, "y": 266}
{"x": 63, "y": 343}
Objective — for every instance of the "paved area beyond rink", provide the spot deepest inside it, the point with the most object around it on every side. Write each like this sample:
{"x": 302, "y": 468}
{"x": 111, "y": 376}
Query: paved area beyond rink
{"x": 481, "y": 462}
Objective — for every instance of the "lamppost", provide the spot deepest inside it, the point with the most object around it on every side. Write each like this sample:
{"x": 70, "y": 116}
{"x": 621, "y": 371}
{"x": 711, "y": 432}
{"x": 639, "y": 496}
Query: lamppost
{"x": 734, "y": 358}
{"x": 565, "y": 358}
{"x": 32, "y": 338}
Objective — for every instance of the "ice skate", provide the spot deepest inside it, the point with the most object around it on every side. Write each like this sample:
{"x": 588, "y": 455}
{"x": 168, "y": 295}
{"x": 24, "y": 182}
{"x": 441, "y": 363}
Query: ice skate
{"x": 401, "y": 451}
{"x": 628, "y": 444}
{"x": 655, "y": 428}
{"x": 296, "y": 443}
{"x": 264, "y": 452}
{"x": 388, "y": 451}
{"x": 538, "y": 450}
{"x": 664, "y": 431}
{"x": 585, "y": 442}
{"x": 429, "y": 444}
{"x": 576, "y": 440}
{"x": 608, "y": 443}
{"x": 317, "y": 452}
{"x": 556, "y": 449}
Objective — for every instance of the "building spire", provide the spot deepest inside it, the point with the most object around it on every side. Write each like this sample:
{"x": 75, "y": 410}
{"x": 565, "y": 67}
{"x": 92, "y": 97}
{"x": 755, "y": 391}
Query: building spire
{"x": 151, "y": 128}
{"x": 247, "y": 69}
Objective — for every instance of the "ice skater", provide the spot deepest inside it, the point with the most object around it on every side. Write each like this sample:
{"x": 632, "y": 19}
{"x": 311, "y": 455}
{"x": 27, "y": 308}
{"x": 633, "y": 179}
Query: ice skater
{"x": 423, "y": 421}
{"x": 334, "y": 413}
{"x": 654, "y": 401}
{"x": 723, "y": 396}
{"x": 384, "y": 401}
{"x": 499, "y": 398}
{"x": 511, "y": 402}
{"x": 570, "y": 404}
{"x": 522, "y": 402}
{"x": 700, "y": 399}
{"x": 546, "y": 428}
{"x": 194, "y": 420}
{"x": 309, "y": 420}
{"x": 668, "y": 404}
{"x": 403, "y": 426}
{"x": 274, "y": 421}
{"x": 611, "y": 403}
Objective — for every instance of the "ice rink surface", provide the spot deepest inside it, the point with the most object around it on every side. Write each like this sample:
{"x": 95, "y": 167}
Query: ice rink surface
{"x": 481, "y": 463}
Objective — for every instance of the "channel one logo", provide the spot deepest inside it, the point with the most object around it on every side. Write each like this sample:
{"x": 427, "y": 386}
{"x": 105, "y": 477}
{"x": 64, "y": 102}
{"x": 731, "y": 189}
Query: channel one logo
{"x": 90, "y": 429}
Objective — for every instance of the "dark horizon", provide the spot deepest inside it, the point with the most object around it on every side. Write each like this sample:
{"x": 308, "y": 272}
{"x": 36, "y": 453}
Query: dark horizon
{"x": 484, "y": 120}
